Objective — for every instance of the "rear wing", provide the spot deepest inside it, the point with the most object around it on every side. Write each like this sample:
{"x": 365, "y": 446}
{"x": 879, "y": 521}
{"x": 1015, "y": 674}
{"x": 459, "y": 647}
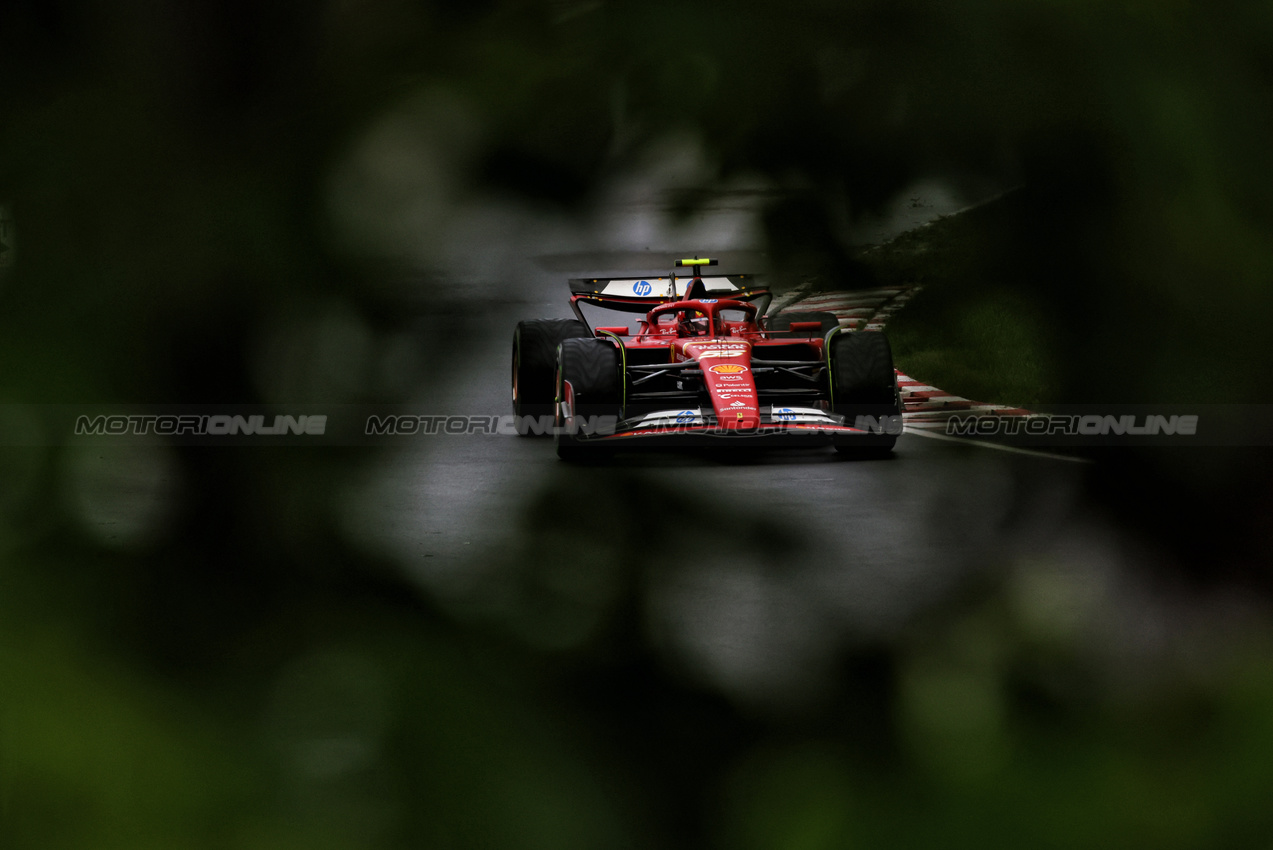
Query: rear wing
{"x": 642, "y": 294}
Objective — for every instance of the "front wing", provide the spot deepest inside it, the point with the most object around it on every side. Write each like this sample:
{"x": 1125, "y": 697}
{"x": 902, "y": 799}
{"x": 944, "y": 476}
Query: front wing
{"x": 779, "y": 426}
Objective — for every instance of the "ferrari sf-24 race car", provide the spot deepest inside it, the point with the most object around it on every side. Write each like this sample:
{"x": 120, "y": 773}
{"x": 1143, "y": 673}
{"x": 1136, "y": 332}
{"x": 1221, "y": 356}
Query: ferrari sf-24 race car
{"x": 705, "y": 366}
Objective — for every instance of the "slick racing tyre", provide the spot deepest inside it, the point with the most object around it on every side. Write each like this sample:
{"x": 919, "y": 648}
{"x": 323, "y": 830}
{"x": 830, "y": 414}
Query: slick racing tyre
{"x": 864, "y": 391}
{"x": 588, "y": 395}
{"x": 534, "y": 365}
{"x": 782, "y": 321}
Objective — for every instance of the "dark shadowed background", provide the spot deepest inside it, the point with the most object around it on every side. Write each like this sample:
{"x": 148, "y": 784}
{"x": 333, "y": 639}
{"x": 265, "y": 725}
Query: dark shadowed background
{"x": 284, "y": 203}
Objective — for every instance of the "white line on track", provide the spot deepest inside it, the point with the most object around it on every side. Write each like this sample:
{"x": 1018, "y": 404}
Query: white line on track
{"x": 918, "y": 433}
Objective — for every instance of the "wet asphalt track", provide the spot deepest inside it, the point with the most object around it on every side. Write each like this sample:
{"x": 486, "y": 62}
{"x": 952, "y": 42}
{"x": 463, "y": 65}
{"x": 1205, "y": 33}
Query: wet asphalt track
{"x": 753, "y": 569}
{"x": 768, "y": 552}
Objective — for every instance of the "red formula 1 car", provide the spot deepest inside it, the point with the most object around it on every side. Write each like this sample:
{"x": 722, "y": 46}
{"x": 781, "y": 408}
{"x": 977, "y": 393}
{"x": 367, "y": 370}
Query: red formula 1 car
{"x": 704, "y": 366}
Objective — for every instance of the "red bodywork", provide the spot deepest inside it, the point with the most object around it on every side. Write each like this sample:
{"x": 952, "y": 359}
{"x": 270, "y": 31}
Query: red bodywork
{"x": 721, "y": 338}
{"x": 723, "y": 351}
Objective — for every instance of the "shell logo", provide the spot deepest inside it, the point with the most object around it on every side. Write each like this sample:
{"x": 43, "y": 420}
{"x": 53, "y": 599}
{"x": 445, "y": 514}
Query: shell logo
{"x": 728, "y": 369}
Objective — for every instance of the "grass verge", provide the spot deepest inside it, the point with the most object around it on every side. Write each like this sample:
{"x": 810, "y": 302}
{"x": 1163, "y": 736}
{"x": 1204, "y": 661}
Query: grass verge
{"x": 970, "y": 331}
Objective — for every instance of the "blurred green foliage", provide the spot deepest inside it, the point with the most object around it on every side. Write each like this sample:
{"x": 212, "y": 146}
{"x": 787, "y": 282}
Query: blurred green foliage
{"x": 250, "y": 680}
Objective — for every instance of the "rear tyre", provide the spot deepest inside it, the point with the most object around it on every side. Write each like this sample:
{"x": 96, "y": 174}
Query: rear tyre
{"x": 534, "y": 365}
{"x": 588, "y": 390}
{"x": 864, "y": 391}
